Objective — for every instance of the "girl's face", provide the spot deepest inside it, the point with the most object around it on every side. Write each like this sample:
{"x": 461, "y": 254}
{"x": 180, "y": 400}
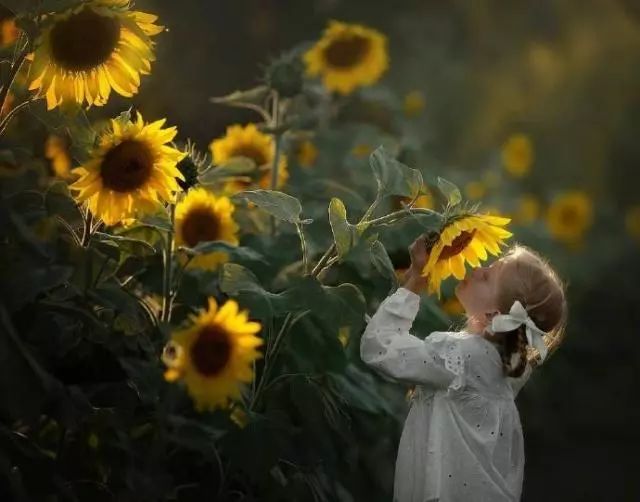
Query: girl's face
{"x": 478, "y": 291}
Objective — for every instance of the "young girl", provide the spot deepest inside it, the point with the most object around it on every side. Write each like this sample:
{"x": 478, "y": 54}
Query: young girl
{"x": 462, "y": 440}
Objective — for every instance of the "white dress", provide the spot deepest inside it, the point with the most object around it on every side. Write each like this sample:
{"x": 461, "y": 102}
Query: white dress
{"x": 462, "y": 439}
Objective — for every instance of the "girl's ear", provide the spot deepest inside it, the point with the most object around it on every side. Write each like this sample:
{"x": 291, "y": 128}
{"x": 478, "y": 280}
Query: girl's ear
{"x": 490, "y": 315}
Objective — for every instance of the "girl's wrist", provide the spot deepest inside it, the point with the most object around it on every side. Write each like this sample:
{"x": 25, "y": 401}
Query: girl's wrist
{"x": 414, "y": 282}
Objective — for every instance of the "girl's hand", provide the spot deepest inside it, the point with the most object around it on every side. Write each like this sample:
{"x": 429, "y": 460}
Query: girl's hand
{"x": 419, "y": 253}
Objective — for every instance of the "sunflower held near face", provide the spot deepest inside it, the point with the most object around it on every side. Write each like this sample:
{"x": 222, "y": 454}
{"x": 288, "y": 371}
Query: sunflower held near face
{"x": 348, "y": 56}
{"x": 464, "y": 239}
{"x": 213, "y": 356}
{"x": 255, "y": 145}
{"x": 200, "y": 217}
{"x": 87, "y": 50}
{"x": 131, "y": 171}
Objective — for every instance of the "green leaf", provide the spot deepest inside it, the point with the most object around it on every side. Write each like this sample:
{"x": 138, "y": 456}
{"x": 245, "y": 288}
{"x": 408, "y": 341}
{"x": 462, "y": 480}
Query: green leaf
{"x": 254, "y": 95}
{"x": 382, "y": 262}
{"x": 450, "y": 191}
{"x": 393, "y": 176}
{"x": 279, "y": 204}
{"x": 235, "y": 166}
{"x": 127, "y": 244}
{"x": 58, "y": 201}
{"x": 241, "y": 252}
{"x": 345, "y": 234}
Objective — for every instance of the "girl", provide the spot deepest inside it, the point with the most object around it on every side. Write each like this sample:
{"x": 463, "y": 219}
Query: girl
{"x": 462, "y": 440}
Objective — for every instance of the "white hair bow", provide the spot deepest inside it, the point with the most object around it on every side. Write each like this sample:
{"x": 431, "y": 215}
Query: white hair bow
{"x": 518, "y": 316}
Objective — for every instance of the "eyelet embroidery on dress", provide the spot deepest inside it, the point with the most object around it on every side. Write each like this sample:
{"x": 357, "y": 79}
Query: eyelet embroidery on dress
{"x": 454, "y": 363}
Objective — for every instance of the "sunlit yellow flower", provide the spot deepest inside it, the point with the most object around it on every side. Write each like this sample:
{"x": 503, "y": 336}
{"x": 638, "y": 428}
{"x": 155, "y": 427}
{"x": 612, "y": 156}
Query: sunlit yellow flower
{"x": 307, "y": 153}
{"x": 130, "y": 172}
{"x": 255, "y": 145}
{"x": 413, "y": 103}
{"x": 361, "y": 150}
{"x": 569, "y": 215}
{"x": 475, "y": 190}
{"x": 343, "y": 335}
{"x": 452, "y": 306}
{"x": 213, "y": 356}
{"x": 632, "y": 221}
{"x": 89, "y": 49}
{"x": 348, "y": 56}
{"x": 517, "y": 154}
{"x": 56, "y": 149}
{"x": 527, "y": 210}
{"x": 9, "y": 32}
{"x": 202, "y": 216}
{"x": 464, "y": 240}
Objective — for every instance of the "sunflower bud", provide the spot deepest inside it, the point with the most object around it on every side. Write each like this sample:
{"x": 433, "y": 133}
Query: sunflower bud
{"x": 189, "y": 170}
{"x": 285, "y": 74}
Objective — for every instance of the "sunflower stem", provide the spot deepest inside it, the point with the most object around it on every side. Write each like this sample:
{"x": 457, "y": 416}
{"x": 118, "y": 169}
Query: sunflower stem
{"x": 86, "y": 231}
{"x": 303, "y": 246}
{"x": 165, "y": 316}
{"x": 277, "y": 137}
{"x": 12, "y": 113}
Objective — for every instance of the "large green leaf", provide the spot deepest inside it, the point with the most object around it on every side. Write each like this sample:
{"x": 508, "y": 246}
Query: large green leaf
{"x": 382, "y": 262}
{"x": 393, "y": 176}
{"x": 450, "y": 191}
{"x": 235, "y": 166}
{"x": 279, "y": 204}
{"x": 240, "y": 252}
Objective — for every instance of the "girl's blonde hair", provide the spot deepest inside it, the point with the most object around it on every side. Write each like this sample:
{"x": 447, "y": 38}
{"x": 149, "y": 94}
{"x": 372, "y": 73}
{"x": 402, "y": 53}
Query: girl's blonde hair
{"x": 527, "y": 277}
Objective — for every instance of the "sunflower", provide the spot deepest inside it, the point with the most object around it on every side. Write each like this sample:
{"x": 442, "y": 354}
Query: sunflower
{"x": 249, "y": 142}
{"x": 214, "y": 354}
{"x": 130, "y": 171}
{"x": 517, "y": 154}
{"x": 56, "y": 150}
{"x": 632, "y": 222}
{"x": 9, "y": 32}
{"x": 87, "y": 50}
{"x": 348, "y": 56}
{"x": 413, "y": 103}
{"x": 307, "y": 153}
{"x": 569, "y": 215}
{"x": 475, "y": 190}
{"x": 464, "y": 239}
{"x": 201, "y": 217}
{"x": 527, "y": 210}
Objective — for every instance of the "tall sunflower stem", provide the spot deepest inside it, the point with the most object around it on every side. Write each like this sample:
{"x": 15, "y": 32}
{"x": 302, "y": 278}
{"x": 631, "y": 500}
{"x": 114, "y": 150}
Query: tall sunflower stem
{"x": 277, "y": 139}
{"x": 12, "y": 113}
{"x": 165, "y": 316}
{"x": 86, "y": 231}
{"x": 303, "y": 246}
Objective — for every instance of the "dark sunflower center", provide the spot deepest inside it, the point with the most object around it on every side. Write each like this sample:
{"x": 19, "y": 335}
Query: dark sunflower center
{"x": 200, "y": 225}
{"x": 127, "y": 166}
{"x": 346, "y": 52}
{"x": 211, "y": 351}
{"x": 84, "y": 40}
{"x": 251, "y": 152}
{"x": 568, "y": 215}
{"x": 458, "y": 244}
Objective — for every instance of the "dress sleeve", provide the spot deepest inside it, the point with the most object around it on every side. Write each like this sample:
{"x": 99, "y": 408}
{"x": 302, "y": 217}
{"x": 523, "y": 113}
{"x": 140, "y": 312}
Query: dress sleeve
{"x": 517, "y": 383}
{"x": 388, "y": 347}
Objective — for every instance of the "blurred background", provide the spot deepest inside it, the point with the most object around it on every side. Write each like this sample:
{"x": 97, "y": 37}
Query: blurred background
{"x": 563, "y": 74}
{"x": 532, "y": 108}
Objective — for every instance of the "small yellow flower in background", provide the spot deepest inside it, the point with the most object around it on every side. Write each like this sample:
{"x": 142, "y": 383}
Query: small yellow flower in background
{"x": 527, "y": 210}
{"x": 569, "y": 215}
{"x": 255, "y": 145}
{"x": 307, "y": 153}
{"x": 56, "y": 150}
{"x": 424, "y": 201}
{"x": 348, "y": 56}
{"x": 517, "y": 155}
{"x": 9, "y": 32}
{"x": 452, "y": 306}
{"x": 343, "y": 335}
{"x": 413, "y": 103}
{"x": 202, "y": 216}
{"x": 361, "y": 150}
{"x": 464, "y": 240}
{"x": 131, "y": 171}
{"x": 475, "y": 190}
{"x": 491, "y": 179}
{"x": 213, "y": 356}
{"x": 632, "y": 222}
{"x": 89, "y": 49}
